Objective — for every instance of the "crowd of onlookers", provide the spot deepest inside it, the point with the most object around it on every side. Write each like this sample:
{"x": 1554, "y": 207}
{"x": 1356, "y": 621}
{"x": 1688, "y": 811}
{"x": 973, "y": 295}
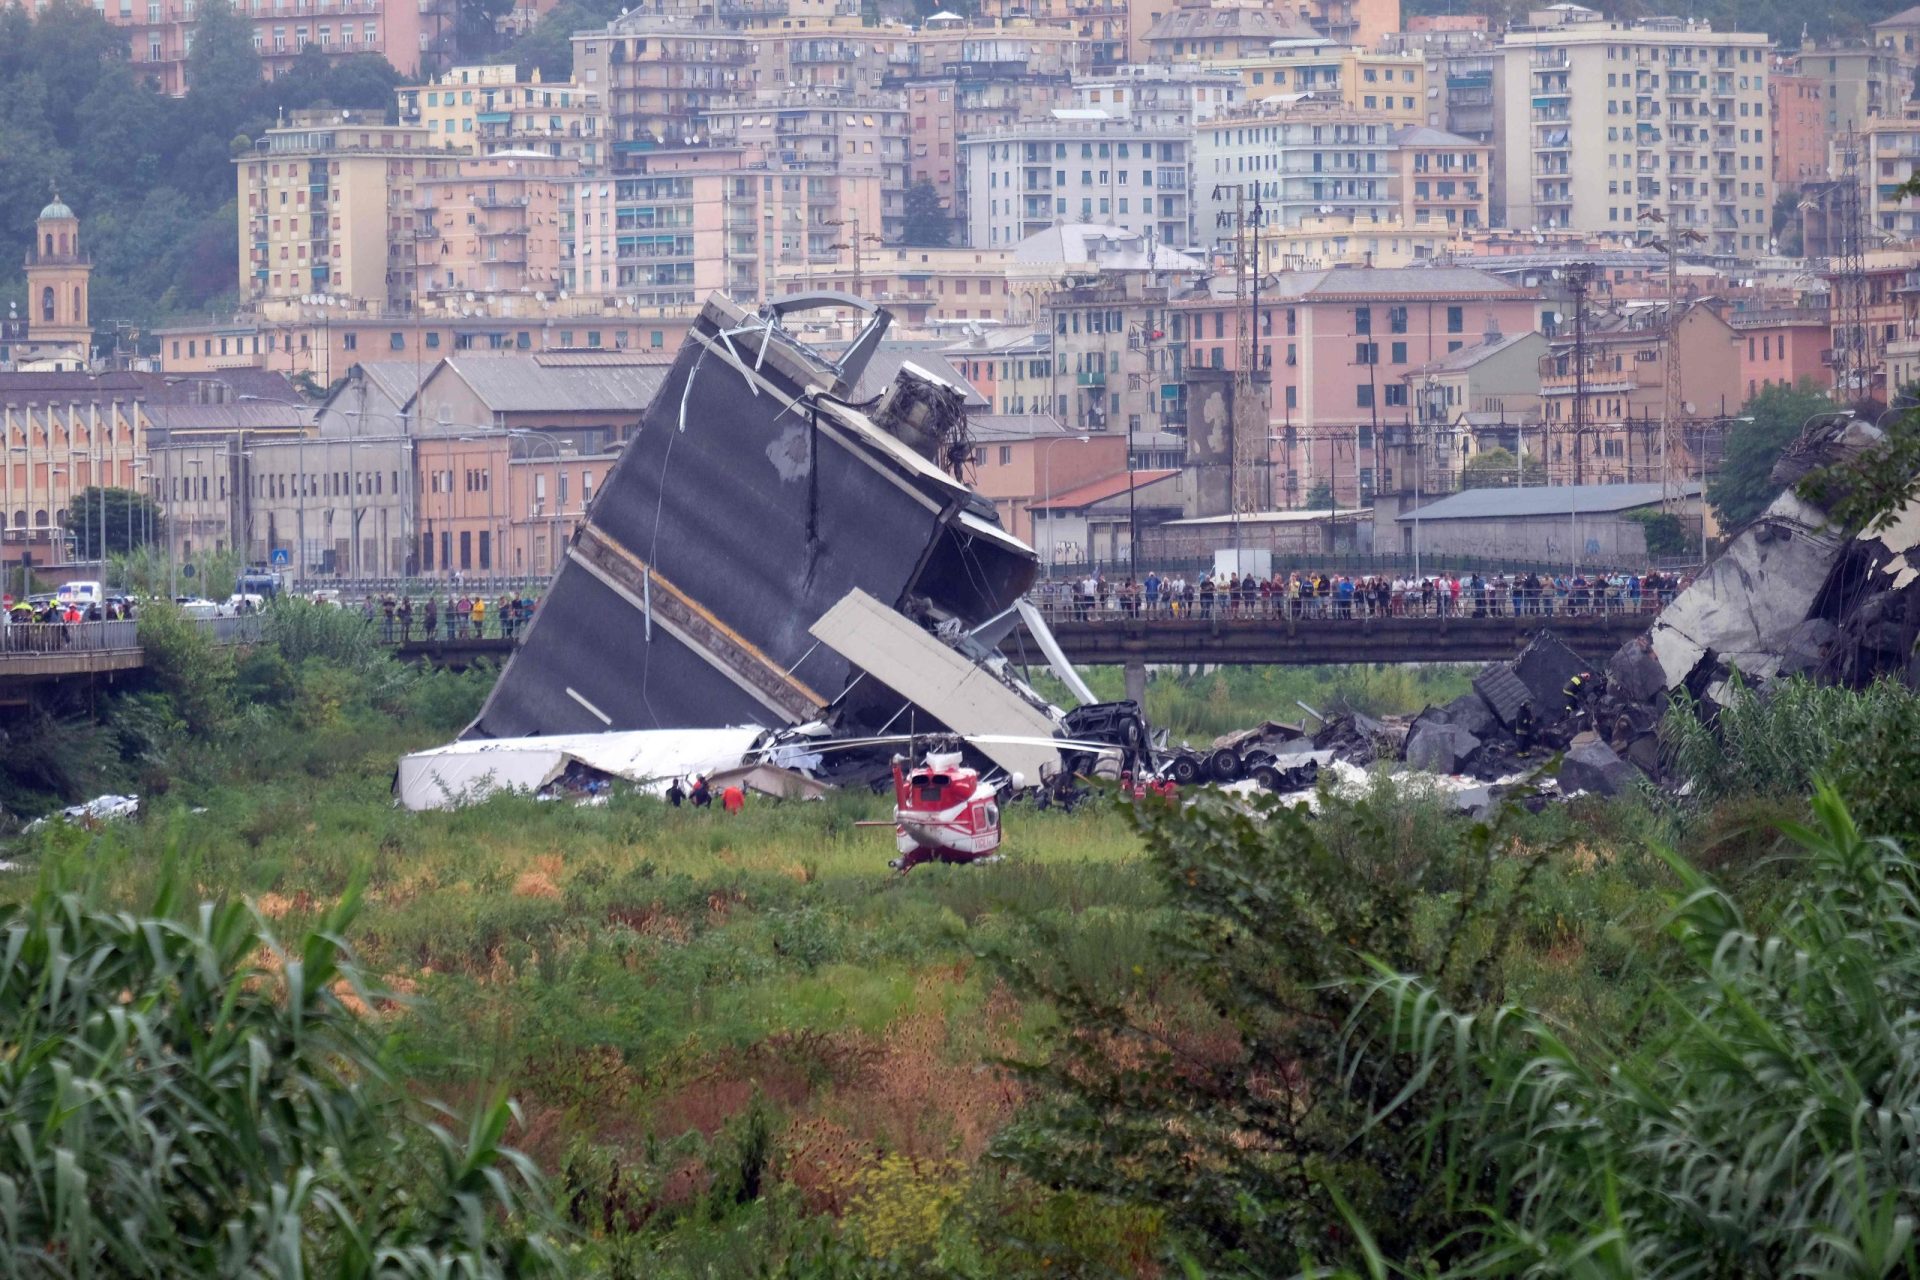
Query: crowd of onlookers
{"x": 1319, "y": 594}
{"x": 466, "y": 616}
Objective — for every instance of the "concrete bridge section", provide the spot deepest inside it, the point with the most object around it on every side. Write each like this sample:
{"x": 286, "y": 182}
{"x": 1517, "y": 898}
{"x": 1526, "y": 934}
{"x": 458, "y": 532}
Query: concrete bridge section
{"x": 35, "y": 654}
{"x": 1268, "y": 641}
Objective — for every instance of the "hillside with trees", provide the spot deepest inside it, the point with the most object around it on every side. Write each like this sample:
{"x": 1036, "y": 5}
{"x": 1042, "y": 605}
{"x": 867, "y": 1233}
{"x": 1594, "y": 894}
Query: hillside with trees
{"x": 150, "y": 176}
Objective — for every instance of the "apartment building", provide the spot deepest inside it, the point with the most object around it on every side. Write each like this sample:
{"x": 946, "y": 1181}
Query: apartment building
{"x": 491, "y": 226}
{"x": 657, "y": 77}
{"x": 1783, "y": 346}
{"x": 1337, "y": 345}
{"x": 1619, "y": 438}
{"x": 160, "y": 32}
{"x": 828, "y": 137}
{"x": 1441, "y": 179}
{"x": 1323, "y": 240}
{"x": 1219, "y": 34}
{"x": 487, "y": 109}
{"x": 1891, "y": 156}
{"x": 1858, "y": 83}
{"x": 674, "y": 226}
{"x": 326, "y": 339}
{"x": 1799, "y": 128}
{"x": 1078, "y": 166}
{"x": 1393, "y": 85}
{"x": 835, "y": 55}
{"x": 966, "y": 49}
{"x": 1160, "y": 97}
{"x": 1300, "y": 158}
{"x": 988, "y": 98}
{"x": 327, "y": 207}
{"x": 1603, "y": 125}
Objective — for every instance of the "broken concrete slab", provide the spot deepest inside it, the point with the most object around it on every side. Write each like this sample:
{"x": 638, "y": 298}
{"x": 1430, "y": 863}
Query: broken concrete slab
{"x": 1470, "y": 712}
{"x": 1806, "y": 647}
{"x": 1744, "y": 605}
{"x": 1634, "y": 673}
{"x": 1544, "y": 667}
{"x": 1592, "y": 766}
{"x": 1439, "y": 747}
{"x": 1503, "y": 692}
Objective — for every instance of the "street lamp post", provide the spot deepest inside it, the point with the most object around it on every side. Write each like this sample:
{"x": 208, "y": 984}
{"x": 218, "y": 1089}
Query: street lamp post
{"x": 1046, "y": 464}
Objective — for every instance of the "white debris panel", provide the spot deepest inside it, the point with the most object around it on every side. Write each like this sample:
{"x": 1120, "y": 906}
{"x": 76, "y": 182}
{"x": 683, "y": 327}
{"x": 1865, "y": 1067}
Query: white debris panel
{"x": 465, "y": 772}
{"x": 968, "y": 699}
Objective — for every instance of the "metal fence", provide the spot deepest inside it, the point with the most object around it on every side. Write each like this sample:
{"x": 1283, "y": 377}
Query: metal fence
{"x": 1062, "y": 604}
{"x": 68, "y": 637}
{"x": 418, "y": 588}
{"x": 1351, "y": 564}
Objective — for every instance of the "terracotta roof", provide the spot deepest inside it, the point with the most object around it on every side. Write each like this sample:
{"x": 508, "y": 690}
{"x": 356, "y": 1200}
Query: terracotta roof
{"x": 1100, "y": 490}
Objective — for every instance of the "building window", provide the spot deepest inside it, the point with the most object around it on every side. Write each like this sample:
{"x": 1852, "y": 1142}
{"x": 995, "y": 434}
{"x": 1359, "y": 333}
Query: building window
{"x": 1456, "y": 319}
{"x": 486, "y": 549}
{"x": 396, "y": 341}
{"x": 466, "y": 549}
{"x": 1363, "y": 395}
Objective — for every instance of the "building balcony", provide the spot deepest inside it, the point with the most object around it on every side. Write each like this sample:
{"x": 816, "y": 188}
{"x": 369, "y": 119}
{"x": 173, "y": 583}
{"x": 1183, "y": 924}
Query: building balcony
{"x": 35, "y": 258}
{"x": 1091, "y": 379}
{"x": 501, "y": 202}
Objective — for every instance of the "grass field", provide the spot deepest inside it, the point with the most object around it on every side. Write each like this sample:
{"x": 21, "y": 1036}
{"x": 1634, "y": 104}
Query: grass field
{"x": 742, "y": 1043}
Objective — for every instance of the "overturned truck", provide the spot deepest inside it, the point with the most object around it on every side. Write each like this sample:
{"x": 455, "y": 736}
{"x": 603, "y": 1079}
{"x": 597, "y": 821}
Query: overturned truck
{"x": 768, "y": 551}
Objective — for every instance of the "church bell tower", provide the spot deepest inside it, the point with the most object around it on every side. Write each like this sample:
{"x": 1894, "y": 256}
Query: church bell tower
{"x": 57, "y": 280}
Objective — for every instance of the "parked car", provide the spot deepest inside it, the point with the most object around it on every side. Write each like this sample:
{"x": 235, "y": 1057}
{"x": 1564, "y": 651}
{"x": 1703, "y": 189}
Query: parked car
{"x": 196, "y": 607}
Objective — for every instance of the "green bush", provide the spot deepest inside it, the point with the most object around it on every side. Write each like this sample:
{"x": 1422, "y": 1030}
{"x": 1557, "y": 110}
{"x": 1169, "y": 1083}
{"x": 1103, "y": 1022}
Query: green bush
{"x": 180, "y": 1108}
{"x": 1764, "y": 1129}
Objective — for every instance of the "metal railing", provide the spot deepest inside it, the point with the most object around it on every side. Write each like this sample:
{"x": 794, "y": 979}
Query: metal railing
{"x": 1502, "y": 600}
{"x": 68, "y": 637}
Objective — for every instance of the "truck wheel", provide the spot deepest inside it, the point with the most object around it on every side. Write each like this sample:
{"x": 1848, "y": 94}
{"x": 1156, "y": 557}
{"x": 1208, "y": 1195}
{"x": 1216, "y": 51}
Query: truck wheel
{"x": 1186, "y": 770}
{"x": 1224, "y": 765}
{"x": 1267, "y": 776}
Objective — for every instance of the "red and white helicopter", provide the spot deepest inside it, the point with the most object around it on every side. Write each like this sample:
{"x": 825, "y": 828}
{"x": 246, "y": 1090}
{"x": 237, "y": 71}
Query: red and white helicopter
{"x": 943, "y": 811}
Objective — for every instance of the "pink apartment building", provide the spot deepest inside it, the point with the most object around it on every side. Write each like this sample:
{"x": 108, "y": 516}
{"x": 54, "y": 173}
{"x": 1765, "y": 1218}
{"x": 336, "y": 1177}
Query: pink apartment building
{"x": 1337, "y": 344}
{"x": 1780, "y": 347}
{"x": 159, "y": 32}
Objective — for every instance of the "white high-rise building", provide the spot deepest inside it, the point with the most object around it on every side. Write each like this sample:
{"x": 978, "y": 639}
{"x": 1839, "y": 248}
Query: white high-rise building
{"x": 1080, "y": 166}
{"x": 1598, "y": 123}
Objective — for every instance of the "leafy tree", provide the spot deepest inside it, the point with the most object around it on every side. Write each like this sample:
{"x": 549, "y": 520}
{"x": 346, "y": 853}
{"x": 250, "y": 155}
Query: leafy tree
{"x": 223, "y": 68}
{"x": 1212, "y": 1090}
{"x": 1498, "y": 468}
{"x": 131, "y": 520}
{"x": 1762, "y": 1132}
{"x": 548, "y": 46}
{"x": 928, "y": 224}
{"x": 189, "y": 1097}
{"x": 1320, "y": 496}
{"x": 1744, "y": 486}
{"x": 1666, "y": 532}
{"x": 364, "y": 81}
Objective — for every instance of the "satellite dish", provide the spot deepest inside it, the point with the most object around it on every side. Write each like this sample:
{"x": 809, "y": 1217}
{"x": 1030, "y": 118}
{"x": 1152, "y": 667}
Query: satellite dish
{"x": 1688, "y": 406}
{"x": 469, "y": 297}
{"x": 539, "y": 297}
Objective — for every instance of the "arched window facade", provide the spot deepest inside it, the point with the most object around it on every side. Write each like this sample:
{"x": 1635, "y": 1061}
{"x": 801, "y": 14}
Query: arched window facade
{"x": 46, "y": 304}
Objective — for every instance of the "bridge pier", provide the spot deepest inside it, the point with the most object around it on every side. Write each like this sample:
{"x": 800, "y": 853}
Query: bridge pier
{"x": 1136, "y": 677}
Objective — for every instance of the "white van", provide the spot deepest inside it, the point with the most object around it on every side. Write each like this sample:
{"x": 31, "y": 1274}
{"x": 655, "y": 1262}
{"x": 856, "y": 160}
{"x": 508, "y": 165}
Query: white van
{"x": 81, "y": 593}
